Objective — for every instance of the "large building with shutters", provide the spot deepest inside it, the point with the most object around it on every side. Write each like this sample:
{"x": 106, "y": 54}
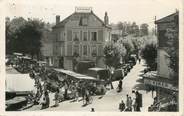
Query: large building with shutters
{"x": 80, "y": 37}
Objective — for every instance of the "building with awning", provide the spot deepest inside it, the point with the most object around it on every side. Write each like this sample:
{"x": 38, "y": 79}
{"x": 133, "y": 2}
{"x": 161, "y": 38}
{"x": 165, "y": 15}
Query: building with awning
{"x": 165, "y": 79}
{"x": 153, "y": 79}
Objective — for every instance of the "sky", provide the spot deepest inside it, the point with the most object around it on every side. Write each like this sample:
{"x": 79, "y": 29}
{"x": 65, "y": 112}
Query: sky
{"x": 140, "y": 11}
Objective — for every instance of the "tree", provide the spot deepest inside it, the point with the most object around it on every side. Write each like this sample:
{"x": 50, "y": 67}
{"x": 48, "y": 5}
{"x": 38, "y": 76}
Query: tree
{"x": 149, "y": 53}
{"x": 127, "y": 43}
{"x": 144, "y": 29}
{"x": 24, "y": 36}
{"x": 29, "y": 37}
{"x": 113, "y": 54}
{"x": 12, "y": 26}
{"x": 135, "y": 29}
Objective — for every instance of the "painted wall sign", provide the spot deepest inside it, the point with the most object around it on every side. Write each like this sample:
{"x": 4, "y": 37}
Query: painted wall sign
{"x": 160, "y": 84}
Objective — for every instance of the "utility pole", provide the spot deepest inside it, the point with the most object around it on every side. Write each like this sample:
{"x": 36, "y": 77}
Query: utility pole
{"x": 155, "y": 27}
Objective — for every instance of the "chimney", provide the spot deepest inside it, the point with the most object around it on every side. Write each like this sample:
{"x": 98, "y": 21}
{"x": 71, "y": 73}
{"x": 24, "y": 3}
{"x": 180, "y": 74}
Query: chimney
{"x": 57, "y": 19}
{"x": 106, "y": 19}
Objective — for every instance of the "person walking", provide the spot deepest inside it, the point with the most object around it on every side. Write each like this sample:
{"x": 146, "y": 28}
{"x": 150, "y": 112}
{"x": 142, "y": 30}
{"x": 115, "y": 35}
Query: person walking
{"x": 122, "y": 106}
{"x": 46, "y": 100}
{"x": 134, "y": 103}
{"x": 139, "y": 60}
{"x": 92, "y": 110}
{"x": 87, "y": 95}
{"x": 66, "y": 90}
{"x": 138, "y": 101}
{"x": 130, "y": 104}
{"x": 127, "y": 101}
{"x": 56, "y": 98}
{"x": 120, "y": 85}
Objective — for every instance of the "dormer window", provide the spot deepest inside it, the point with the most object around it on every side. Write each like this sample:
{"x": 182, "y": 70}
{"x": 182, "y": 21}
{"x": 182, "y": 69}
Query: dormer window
{"x": 83, "y": 21}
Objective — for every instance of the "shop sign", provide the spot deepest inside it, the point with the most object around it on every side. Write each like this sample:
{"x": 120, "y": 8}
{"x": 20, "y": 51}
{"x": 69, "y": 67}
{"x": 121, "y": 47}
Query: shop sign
{"x": 160, "y": 84}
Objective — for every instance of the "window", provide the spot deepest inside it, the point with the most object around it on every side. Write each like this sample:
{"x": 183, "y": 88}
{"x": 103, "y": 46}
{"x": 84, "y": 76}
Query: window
{"x": 93, "y": 51}
{"x": 75, "y": 36}
{"x": 76, "y": 50}
{"x": 84, "y": 21}
{"x": 85, "y": 36}
{"x": 94, "y": 36}
{"x": 85, "y": 50}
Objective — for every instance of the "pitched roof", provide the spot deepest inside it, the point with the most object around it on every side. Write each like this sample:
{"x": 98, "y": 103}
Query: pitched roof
{"x": 79, "y": 14}
{"x": 169, "y": 18}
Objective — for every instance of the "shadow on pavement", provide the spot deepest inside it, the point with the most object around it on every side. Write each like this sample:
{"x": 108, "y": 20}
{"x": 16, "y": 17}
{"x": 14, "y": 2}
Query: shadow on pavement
{"x": 142, "y": 71}
{"x": 141, "y": 75}
{"x": 140, "y": 80}
{"x": 139, "y": 87}
{"x": 73, "y": 101}
{"x": 100, "y": 97}
{"x": 84, "y": 105}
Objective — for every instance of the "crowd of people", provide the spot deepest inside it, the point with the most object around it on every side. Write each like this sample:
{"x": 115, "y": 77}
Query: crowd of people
{"x": 49, "y": 81}
{"x": 64, "y": 89}
{"x": 133, "y": 103}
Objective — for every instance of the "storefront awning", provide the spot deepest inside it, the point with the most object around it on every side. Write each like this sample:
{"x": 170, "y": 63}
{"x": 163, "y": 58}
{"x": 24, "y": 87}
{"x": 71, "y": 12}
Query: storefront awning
{"x": 151, "y": 78}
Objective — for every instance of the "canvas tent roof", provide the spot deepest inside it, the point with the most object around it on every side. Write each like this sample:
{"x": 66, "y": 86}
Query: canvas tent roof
{"x": 76, "y": 75}
{"x": 19, "y": 83}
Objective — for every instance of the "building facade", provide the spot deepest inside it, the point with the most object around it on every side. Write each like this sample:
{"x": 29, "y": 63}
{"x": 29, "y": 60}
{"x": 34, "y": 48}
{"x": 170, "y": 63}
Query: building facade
{"x": 79, "y": 37}
{"x": 166, "y": 81}
{"x": 168, "y": 36}
{"x": 47, "y": 46}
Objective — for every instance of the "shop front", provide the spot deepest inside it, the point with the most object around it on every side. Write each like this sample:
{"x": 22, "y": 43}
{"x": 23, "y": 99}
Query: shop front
{"x": 166, "y": 98}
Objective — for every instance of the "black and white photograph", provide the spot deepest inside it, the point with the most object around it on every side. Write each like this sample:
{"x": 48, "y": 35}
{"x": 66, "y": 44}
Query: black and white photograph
{"x": 92, "y": 55}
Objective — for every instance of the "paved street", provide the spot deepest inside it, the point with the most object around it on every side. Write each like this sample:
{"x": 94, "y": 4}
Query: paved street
{"x": 110, "y": 101}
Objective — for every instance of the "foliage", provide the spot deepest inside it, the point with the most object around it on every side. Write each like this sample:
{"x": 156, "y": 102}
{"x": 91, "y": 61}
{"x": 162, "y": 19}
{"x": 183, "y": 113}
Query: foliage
{"x": 24, "y": 36}
{"x": 127, "y": 43}
{"x": 113, "y": 54}
{"x": 149, "y": 53}
{"x": 11, "y": 28}
{"x": 144, "y": 29}
{"x": 133, "y": 29}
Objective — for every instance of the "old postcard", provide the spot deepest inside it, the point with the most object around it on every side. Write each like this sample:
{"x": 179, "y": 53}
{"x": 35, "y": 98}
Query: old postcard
{"x": 74, "y": 57}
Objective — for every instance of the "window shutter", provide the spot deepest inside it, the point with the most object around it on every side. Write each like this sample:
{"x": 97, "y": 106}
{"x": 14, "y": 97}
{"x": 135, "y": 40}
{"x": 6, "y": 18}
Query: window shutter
{"x": 89, "y": 36}
{"x": 100, "y": 50}
{"x": 89, "y": 53}
{"x": 69, "y": 35}
{"x": 80, "y": 50}
{"x": 81, "y": 35}
{"x": 69, "y": 49}
{"x": 100, "y": 35}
